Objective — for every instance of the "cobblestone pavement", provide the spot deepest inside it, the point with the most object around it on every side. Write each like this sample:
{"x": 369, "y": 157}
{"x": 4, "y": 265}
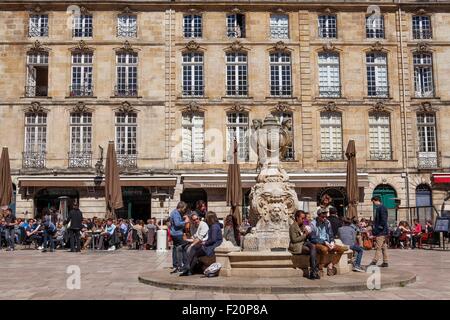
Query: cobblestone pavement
{"x": 30, "y": 274}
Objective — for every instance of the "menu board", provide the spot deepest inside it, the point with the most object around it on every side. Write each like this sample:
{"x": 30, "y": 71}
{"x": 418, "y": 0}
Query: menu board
{"x": 442, "y": 224}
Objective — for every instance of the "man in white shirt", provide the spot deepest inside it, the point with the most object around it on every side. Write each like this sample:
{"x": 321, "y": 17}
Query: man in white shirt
{"x": 199, "y": 231}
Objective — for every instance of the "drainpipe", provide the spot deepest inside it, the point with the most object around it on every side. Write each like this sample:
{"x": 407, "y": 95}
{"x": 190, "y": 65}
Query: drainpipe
{"x": 406, "y": 159}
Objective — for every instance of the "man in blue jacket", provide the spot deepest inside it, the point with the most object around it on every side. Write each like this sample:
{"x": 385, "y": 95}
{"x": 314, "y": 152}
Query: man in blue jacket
{"x": 177, "y": 224}
{"x": 380, "y": 231}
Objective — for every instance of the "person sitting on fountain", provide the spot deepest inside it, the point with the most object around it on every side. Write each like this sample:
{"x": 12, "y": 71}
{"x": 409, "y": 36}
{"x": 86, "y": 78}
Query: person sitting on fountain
{"x": 299, "y": 244}
{"x": 322, "y": 236}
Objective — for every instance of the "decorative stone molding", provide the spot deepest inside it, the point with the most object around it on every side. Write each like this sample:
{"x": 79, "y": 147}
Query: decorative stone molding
{"x": 38, "y": 47}
{"x": 237, "y": 107}
{"x": 126, "y": 11}
{"x": 280, "y": 46}
{"x": 84, "y": 10}
{"x": 328, "y": 10}
{"x": 426, "y": 107}
{"x": 126, "y": 107}
{"x": 379, "y": 107}
{"x": 330, "y": 107}
{"x": 280, "y": 10}
{"x": 329, "y": 47}
{"x": 377, "y": 46}
{"x": 423, "y": 47}
{"x": 127, "y": 47}
{"x": 81, "y": 47}
{"x": 192, "y": 107}
{"x": 35, "y": 107}
{"x": 236, "y": 10}
{"x": 194, "y": 11}
{"x": 236, "y": 46}
{"x": 81, "y": 107}
{"x": 36, "y": 9}
{"x": 421, "y": 11}
{"x": 192, "y": 46}
{"x": 282, "y": 107}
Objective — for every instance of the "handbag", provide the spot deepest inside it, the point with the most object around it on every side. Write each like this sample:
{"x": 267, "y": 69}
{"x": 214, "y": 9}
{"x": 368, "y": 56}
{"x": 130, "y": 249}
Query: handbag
{"x": 367, "y": 244}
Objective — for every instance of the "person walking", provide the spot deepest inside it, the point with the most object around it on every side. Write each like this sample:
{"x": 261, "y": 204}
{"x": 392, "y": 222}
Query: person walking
{"x": 380, "y": 232}
{"x": 9, "y": 229}
{"x": 74, "y": 220}
{"x": 177, "y": 225}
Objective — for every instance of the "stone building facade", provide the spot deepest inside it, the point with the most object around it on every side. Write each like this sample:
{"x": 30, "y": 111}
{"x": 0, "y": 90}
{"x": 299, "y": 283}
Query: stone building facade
{"x": 172, "y": 82}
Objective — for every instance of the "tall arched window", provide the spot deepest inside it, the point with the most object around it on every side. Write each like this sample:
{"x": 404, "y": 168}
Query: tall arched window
{"x": 280, "y": 74}
{"x": 423, "y": 74}
{"x": 426, "y": 130}
{"x": 377, "y": 75}
{"x": 331, "y": 136}
{"x": 193, "y": 80}
{"x": 35, "y": 140}
{"x": 237, "y": 127}
{"x": 126, "y": 139}
{"x": 193, "y": 140}
{"x": 380, "y": 136}
{"x": 237, "y": 74}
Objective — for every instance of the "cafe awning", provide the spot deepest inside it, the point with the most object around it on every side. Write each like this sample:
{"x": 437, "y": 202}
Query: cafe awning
{"x": 300, "y": 180}
{"x": 88, "y": 181}
{"x": 440, "y": 178}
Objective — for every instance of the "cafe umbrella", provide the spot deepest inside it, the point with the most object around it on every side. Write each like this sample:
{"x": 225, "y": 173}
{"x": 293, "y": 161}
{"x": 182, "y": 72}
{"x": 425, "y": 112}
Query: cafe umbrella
{"x": 234, "y": 185}
{"x": 351, "y": 182}
{"x": 113, "y": 191}
{"x": 6, "y": 190}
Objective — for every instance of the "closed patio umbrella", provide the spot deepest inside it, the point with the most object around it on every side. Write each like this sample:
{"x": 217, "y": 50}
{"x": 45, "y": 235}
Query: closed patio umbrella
{"x": 6, "y": 190}
{"x": 113, "y": 191}
{"x": 351, "y": 183}
{"x": 234, "y": 185}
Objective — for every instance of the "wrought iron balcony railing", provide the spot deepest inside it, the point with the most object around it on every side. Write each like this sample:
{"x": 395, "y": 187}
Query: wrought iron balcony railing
{"x": 378, "y": 91}
{"x": 237, "y": 91}
{"x": 332, "y": 156}
{"x": 381, "y": 155}
{"x": 128, "y": 32}
{"x": 36, "y": 91}
{"x": 281, "y": 91}
{"x": 126, "y": 161}
{"x": 38, "y": 31}
{"x": 236, "y": 32}
{"x": 425, "y": 93}
{"x": 279, "y": 32}
{"x": 126, "y": 90}
{"x": 427, "y": 160}
{"x": 193, "y": 91}
{"x": 33, "y": 159}
{"x": 327, "y": 33}
{"x": 78, "y": 90}
{"x": 80, "y": 159}
{"x": 422, "y": 34}
{"x": 330, "y": 91}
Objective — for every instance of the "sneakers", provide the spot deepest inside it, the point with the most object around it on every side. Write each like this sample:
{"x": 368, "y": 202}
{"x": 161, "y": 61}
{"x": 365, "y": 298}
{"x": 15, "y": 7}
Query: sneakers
{"x": 358, "y": 269}
{"x": 373, "y": 263}
{"x": 331, "y": 271}
{"x": 384, "y": 265}
{"x": 112, "y": 248}
{"x": 40, "y": 247}
{"x": 185, "y": 273}
{"x": 314, "y": 276}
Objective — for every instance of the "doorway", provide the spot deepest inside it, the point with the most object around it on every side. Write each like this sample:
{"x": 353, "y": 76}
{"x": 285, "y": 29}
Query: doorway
{"x": 338, "y": 196}
{"x": 49, "y": 198}
{"x": 388, "y": 195}
{"x": 191, "y": 196}
{"x": 136, "y": 204}
{"x": 423, "y": 203}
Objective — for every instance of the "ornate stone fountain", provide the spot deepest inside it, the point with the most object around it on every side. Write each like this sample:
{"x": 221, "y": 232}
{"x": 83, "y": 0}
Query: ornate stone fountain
{"x": 272, "y": 203}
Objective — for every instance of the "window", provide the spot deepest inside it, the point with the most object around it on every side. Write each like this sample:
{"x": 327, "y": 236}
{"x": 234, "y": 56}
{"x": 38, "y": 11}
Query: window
{"x": 193, "y": 74}
{"x": 82, "y": 25}
{"x": 421, "y": 27}
{"x": 237, "y": 84}
{"x": 37, "y": 74}
{"x": 35, "y": 140}
{"x": 377, "y": 81}
{"x": 81, "y": 74}
{"x": 127, "y": 26}
{"x": 375, "y": 27}
{"x": 426, "y": 128}
{"x": 236, "y": 26}
{"x": 192, "y": 26}
{"x": 38, "y": 25}
{"x": 280, "y": 74}
{"x": 279, "y": 26}
{"x": 237, "y": 127}
{"x": 126, "y": 74}
{"x": 80, "y": 154}
{"x": 327, "y": 26}
{"x": 329, "y": 79}
{"x": 193, "y": 145}
{"x": 126, "y": 135}
{"x": 379, "y": 136}
{"x": 283, "y": 117}
{"x": 423, "y": 75}
{"x": 331, "y": 136}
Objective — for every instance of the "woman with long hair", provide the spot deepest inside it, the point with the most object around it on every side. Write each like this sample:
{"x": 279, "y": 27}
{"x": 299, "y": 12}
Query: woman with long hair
{"x": 231, "y": 230}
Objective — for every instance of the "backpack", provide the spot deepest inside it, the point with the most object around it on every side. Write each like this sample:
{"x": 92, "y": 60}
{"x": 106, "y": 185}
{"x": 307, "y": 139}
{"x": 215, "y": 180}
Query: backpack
{"x": 213, "y": 270}
{"x": 397, "y": 233}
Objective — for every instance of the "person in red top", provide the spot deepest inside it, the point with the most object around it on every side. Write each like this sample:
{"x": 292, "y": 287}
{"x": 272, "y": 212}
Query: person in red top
{"x": 416, "y": 233}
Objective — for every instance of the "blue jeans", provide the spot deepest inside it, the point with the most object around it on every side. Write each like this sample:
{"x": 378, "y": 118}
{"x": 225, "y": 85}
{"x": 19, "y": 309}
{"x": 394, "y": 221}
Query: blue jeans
{"x": 359, "y": 254}
{"x": 48, "y": 240}
{"x": 10, "y": 236}
{"x": 179, "y": 258}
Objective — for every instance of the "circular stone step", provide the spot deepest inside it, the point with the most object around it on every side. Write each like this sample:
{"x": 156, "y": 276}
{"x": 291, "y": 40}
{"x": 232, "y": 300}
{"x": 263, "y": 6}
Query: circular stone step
{"x": 352, "y": 281}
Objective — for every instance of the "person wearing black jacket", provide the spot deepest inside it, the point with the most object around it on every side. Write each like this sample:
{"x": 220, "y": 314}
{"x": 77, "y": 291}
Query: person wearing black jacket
{"x": 380, "y": 231}
{"x": 75, "y": 219}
